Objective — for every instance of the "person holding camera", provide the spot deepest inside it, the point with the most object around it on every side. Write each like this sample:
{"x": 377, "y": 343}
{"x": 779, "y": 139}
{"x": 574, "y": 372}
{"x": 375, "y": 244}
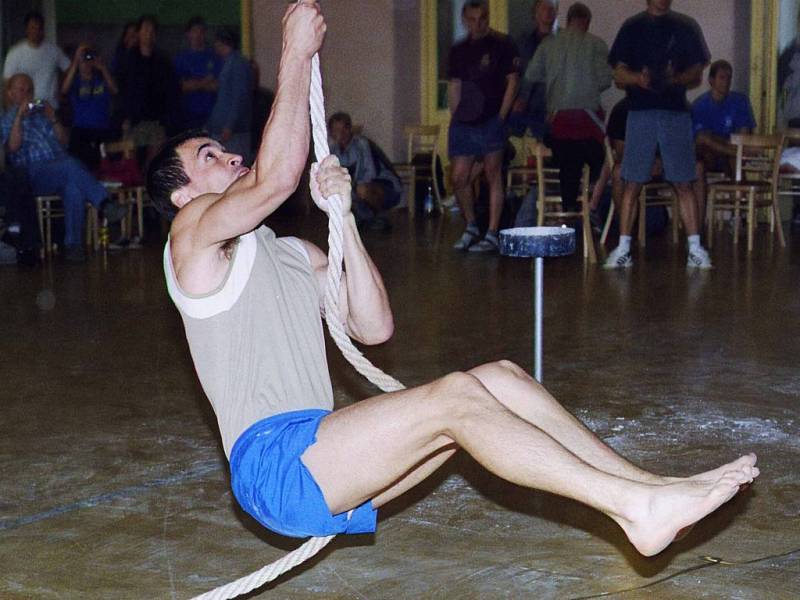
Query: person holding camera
{"x": 34, "y": 139}
{"x": 89, "y": 86}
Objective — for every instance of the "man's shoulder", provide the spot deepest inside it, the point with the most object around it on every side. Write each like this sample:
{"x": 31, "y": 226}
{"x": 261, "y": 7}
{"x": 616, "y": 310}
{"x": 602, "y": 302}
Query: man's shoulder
{"x": 634, "y": 21}
{"x": 702, "y": 101}
{"x": 739, "y": 98}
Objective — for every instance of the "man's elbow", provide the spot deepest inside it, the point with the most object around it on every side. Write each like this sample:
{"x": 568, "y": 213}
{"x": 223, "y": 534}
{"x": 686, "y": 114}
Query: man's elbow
{"x": 382, "y": 333}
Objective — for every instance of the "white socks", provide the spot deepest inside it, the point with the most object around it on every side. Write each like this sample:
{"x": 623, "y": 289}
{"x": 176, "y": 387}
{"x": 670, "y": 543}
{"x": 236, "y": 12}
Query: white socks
{"x": 694, "y": 241}
{"x": 624, "y": 243}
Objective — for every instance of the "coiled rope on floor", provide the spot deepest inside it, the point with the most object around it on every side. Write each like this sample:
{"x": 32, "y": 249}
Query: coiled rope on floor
{"x": 337, "y": 331}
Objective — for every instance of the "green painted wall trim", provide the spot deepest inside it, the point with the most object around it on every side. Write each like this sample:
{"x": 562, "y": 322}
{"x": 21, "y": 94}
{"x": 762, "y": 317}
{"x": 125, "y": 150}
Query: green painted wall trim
{"x": 168, "y": 12}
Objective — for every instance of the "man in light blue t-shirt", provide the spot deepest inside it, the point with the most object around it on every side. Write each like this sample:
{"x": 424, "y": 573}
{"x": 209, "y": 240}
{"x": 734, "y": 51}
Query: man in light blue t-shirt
{"x": 718, "y": 114}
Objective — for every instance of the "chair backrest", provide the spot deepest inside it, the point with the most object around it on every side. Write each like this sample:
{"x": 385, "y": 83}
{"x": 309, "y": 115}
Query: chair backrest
{"x": 757, "y": 157}
{"x": 422, "y": 139}
{"x": 125, "y": 147}
{"x": 546, "y": 177}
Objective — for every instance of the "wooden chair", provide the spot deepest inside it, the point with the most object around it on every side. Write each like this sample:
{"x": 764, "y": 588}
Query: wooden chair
{"x": 423, "y": 142}
{"x": 522, "y": 172}
{"x": 132, "y": 195}
{"x": 755, "y": 186}
{"x": 610, "y": 163}
{"x": 654, "y": 193}
{"x": 51, "y": 207}
{"x": 549, "y": 205}
{"x": 658, "y": 193}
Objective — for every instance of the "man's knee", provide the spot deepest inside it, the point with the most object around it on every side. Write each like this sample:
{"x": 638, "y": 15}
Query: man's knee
{"x": 460, "y": 395}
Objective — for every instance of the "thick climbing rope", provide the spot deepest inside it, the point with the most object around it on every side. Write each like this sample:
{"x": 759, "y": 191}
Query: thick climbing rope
{"x": 337, "y": 331}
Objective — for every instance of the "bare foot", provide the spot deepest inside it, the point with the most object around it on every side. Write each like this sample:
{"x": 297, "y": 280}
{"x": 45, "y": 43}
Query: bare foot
{"x": 746, "y": 461}
{"x": 662, "y": 512}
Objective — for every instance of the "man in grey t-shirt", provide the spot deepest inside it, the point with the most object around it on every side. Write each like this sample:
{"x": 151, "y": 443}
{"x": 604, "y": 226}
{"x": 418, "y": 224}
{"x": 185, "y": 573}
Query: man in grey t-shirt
{"x": 306, "y": 470}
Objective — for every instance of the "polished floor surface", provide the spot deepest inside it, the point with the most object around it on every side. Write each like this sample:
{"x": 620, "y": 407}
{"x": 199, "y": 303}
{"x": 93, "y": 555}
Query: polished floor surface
{"x": 113, "y": 484}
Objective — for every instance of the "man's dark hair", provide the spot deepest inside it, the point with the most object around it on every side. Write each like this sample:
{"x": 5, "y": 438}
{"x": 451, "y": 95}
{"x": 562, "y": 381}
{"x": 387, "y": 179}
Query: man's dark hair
{"x": 579, "y": 11}
{"x": 717, "y": 65}
{"x": 227, "y": 36}
{"x": 33, "y": 15}
{"x": 340, "y": 117}
{"x": 147, "y": 19}
{"x": 474, "y": 4}
{"x": 195, "y": 21}
{"x": 165, "y": 172}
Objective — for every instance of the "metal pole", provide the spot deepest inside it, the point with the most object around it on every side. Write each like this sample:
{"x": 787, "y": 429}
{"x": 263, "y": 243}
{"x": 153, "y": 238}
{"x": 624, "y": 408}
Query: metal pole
{"x": 537, "y": 334}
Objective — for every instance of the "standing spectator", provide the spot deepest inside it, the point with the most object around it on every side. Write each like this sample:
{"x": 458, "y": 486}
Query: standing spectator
{"x": 232, "y": 116}
{"x": 39, "y": 59}
{"x": 197, "y": 68}
{"x": 483, "y": 72}
{"x": 148, "y": 89}
{"x": 34, "y": 138}
{"x": 375, "y": 186}
{"x": 716, "y": 115}
{"x": 657, "y": 55}
{"x": 119, "y": 64}
{"x": 90, "y": 88}
{"x": 529, "y": 109}
{"x": 574, "y": 67}
{"x": 127, "y": 41}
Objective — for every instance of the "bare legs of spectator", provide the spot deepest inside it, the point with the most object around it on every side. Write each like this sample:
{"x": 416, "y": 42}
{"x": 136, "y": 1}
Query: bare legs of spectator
{"x": 463, "y": 179}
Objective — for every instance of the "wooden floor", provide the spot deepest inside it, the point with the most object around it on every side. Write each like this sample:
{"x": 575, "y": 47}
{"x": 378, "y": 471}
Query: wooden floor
{"x": 113, "y": 483}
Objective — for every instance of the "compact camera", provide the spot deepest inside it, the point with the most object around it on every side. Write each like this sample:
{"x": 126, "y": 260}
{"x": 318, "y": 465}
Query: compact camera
{"x": 89, "y": 55}
{"x": 37, "y": 104}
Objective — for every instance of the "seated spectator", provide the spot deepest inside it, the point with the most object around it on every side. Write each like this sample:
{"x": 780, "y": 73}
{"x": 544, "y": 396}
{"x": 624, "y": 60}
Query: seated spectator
{"x": 716, "y": 115}
{"x": 231, "y": 118}
{"x": 376, "y": 187}
{"x": 22, "y": 230}
{"x": 148, "y": 90}
{"x": 90, "y": 87}
{"x": 34, "y": 139}
{"x": 197, "y": 68}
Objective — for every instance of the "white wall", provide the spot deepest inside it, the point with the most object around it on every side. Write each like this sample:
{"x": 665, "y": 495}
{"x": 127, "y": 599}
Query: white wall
{"x": 370, "y": 62}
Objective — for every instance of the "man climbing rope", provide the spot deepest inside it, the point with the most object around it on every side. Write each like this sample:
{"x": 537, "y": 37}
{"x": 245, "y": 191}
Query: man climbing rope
{"x": 251, "y": 305}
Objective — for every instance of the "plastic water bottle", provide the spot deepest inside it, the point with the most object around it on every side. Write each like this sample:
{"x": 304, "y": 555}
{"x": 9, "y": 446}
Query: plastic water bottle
{"x": 427, "y": 205}
{"x": 103, "y": 237}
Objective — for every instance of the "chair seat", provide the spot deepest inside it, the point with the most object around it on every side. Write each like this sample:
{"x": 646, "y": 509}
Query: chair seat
{"x": 733, "y": 186}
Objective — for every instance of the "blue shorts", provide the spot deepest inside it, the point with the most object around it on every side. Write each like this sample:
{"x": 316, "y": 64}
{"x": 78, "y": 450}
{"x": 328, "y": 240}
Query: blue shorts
{"x": 476, "y": 140}
{"x": 273, "y": 485}
{"x": 668, "y": 130}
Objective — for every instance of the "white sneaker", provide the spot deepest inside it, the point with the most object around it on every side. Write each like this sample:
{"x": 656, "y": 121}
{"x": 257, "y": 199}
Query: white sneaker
{"x": 618, "y": 259}
{"x": 699, "y": 259}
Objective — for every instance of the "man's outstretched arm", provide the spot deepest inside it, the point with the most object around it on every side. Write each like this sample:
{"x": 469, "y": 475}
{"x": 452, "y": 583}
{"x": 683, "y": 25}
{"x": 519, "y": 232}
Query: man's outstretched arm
{"x": 284, "y": 148}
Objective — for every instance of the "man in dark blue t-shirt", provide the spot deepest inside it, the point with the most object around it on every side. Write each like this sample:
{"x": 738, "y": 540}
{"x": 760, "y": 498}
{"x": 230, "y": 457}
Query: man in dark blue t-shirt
{"x": 658, "y": 55}
{"x": 484, "y": 76}
{"x": 198, "y": 69}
